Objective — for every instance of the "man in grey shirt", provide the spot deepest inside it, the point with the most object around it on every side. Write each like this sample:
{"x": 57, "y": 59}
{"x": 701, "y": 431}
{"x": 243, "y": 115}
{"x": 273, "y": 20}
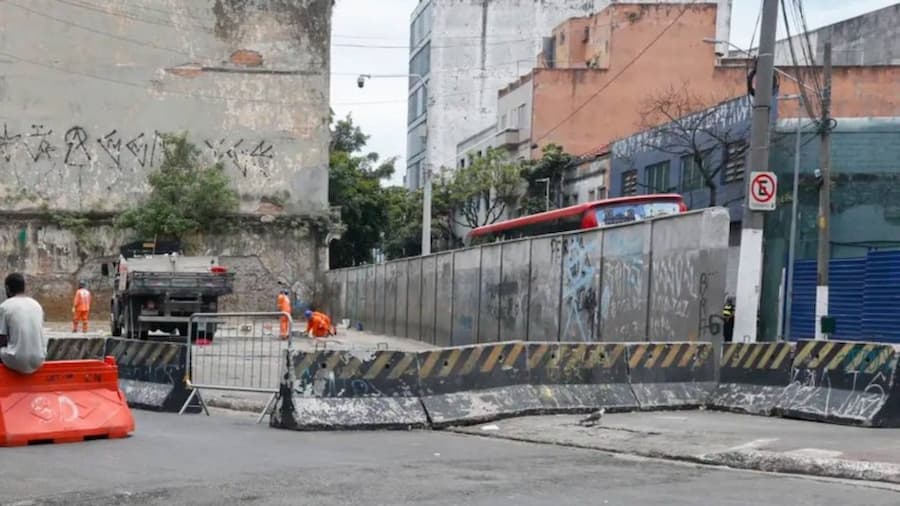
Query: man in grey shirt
{"x": 22, "y": 344}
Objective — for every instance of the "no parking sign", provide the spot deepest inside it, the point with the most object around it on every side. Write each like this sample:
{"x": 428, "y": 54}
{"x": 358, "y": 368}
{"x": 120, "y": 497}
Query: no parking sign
{"x": 763, "y": 188}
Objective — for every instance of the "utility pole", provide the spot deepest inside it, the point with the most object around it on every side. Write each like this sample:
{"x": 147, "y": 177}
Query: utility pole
{"x": 751, "y": 255}
{"x": 426, "y": 211}
{"x": 824, "y": 252}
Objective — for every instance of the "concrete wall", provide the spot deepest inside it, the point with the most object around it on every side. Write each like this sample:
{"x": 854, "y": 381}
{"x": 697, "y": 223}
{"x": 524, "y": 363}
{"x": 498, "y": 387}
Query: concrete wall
{"x": 86, "y": 94}
{"x": 662, "y": 279}
{"x": 263, "y": 256}
{"x": 870, "y": 39}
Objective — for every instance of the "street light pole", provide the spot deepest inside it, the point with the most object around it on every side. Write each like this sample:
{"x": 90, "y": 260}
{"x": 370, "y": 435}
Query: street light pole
{"x": 751, "y": 253}
{"x": 426, "y": 172}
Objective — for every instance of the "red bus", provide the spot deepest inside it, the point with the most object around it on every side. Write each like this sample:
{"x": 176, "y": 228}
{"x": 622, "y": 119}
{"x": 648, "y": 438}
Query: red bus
{"x": 581, "y": 216}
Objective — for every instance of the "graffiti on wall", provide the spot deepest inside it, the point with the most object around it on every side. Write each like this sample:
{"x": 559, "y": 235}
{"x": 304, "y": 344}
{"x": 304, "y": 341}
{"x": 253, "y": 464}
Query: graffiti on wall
{"x": 623, "y": 298}
{"x": 579, "y": 292}
{"x": 77, "y": 147}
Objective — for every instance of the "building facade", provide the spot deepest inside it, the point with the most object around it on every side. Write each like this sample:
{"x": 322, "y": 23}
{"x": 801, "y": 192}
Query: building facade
{"x": 463, "y": 52}
{"x": 88, "y": 95}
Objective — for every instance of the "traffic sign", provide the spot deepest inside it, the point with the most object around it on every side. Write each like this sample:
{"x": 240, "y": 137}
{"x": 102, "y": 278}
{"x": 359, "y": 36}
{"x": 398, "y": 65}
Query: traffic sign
{"x": 763, "y": 187}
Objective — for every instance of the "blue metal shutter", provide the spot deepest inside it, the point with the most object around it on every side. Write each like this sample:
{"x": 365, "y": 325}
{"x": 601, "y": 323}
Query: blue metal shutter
{"x": 846, "y": 287}
{"x": 881, "y": 307}
{"x": 804, "y": 303}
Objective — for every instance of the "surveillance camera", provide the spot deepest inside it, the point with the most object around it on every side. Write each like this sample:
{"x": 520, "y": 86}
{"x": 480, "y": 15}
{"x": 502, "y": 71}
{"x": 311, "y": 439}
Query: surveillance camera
{"x": 361, "y": 81}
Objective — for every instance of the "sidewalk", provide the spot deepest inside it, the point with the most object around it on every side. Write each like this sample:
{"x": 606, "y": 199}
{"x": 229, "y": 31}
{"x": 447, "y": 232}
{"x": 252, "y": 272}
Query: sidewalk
{"x": 716, "y": 438}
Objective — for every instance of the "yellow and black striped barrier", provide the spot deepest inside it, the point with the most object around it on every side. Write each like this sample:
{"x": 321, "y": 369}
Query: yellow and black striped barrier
{"x": 752, "y": 377}
{"x": 580, "y": 377}
{"x": 75, "y": 348}
{"x": 842, "y": 382}
{"x": 349, "y": 390}
{"x": 671, "y": 375}
{"x": 474, "y": 383}
{"x": 152, "y": 374}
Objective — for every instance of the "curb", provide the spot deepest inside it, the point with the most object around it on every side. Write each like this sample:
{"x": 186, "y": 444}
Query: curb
{"x": 749, "y": 460}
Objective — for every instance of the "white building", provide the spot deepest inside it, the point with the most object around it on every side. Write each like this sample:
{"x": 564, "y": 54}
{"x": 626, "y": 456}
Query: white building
{"x": 462, "y": 53}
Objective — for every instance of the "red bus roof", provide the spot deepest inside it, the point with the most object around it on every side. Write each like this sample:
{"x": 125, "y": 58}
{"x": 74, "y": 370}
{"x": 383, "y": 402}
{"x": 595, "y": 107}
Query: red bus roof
{"x": 566, "y": 212}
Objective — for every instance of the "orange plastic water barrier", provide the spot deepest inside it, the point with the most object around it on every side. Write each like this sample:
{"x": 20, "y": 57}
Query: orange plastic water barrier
{"x": 63, "y": 402}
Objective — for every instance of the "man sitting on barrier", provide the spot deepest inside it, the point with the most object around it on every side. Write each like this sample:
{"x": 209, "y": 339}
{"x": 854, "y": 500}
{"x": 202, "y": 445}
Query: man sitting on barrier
{"x": 22, "y": 344}
{"x": 318, "y": 324}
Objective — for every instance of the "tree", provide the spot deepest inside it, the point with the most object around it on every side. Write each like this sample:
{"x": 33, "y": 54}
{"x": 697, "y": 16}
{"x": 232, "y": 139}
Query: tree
{"x": 354, "y": 184}
{"x": 552, "y": 166}
{"x": 403, "y": 236}
{"x": 480, "y": 193}
{"x": 185, "y": 197}
{"x": 683, "y": 123}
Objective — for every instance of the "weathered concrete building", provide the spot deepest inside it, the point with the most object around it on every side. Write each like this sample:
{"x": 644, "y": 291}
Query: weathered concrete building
{"x": 88, "y": 88}
{"x": 465, "y": 51}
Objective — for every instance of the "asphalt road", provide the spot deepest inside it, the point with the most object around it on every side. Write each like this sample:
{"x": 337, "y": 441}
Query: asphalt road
{"x": 226, "y": 459}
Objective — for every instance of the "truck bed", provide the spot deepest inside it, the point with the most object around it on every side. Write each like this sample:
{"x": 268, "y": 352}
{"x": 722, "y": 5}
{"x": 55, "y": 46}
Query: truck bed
{"x": 147, "y": 283}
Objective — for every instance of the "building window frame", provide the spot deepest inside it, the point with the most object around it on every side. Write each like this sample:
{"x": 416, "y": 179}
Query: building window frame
{"x": 736, "y": 161}
{"x": 629, "y": 182}
{"x": 656, "y": 176}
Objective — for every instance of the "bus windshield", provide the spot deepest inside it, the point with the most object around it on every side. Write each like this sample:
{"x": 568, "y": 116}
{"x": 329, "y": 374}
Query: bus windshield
{"x": 627, "y": 212}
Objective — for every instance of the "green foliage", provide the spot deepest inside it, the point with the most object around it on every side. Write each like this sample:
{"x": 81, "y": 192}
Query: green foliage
{"x": 354, "y": 184}
{"x": 481, "y": 192}
{"x": 185, "y": 196}
{"x": 403, "y": 236}
{"x": 552, "y": 165}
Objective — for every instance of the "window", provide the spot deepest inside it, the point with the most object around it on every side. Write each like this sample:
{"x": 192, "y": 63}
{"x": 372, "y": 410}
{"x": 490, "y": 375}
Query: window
{"x": 523, "y": 118}
{"x": 734, "y": 165}
{"x": 418, "y": 104}
{"x": 601, "y": 193}
{"x": 562, "y": 37}
{"x": 592, "y": 196}
{"x": 656, "y": 177}
{"x": 691, "y": 174}
{"x": 420, "y": 64}
{"x": 629, "y": 182}
{"x": 420, "y": 27}
{"x": 587, "y": 34}
{"x": 462, "y": 163}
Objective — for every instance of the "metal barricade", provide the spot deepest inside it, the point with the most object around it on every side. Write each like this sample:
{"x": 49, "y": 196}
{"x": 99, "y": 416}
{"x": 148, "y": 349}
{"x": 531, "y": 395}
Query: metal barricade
{"x": 238, "y": 352}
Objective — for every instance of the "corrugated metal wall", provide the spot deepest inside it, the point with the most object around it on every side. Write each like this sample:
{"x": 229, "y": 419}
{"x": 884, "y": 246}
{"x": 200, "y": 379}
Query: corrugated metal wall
{"x": 864, "y": 297}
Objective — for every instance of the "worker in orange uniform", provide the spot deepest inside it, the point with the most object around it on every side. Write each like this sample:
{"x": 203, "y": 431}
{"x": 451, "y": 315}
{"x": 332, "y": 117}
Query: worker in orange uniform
{"x": 81, "y": 307}
{"x": 318, "y": 324}
{"x": 284, "y": 306}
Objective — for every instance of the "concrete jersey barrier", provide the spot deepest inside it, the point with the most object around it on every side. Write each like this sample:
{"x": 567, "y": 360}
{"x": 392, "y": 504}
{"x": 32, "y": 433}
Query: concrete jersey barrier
{"x": 671, "y": 375}
{"x": 849, "y": 383}
{"x": 349, "y": 390}
{"x": 574, "y": 378}
{"x": 151, "y": 374}
{"x": 752, "y": 377}
{"x": 470, "y": 384}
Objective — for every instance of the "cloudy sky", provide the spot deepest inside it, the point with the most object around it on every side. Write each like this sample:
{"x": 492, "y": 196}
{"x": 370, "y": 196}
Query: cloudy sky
{"x": 366, "y": 35}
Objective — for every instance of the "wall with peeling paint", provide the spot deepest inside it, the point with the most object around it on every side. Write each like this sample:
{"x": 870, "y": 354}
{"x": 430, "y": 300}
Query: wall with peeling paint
{"x": 660, "y": 280}
{"x": 265, "y": 257}
{"x": 87, "y": 87}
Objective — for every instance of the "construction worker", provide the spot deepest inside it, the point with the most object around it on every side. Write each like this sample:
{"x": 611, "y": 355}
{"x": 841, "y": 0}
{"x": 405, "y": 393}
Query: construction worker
{"x": 284, "y": 306}
{"x": 318, "y": 324}
{"x": 81, "y": 307}
{"x": 728, "y": 319}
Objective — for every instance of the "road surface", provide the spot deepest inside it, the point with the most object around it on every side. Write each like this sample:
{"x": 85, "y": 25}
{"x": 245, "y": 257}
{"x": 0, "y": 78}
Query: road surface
{"x": 226, "y": 459}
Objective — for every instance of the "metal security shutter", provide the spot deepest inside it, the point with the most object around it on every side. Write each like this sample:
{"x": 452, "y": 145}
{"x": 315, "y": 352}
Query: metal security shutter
{"x": 881, "y": 306}
{"x": 846, "y": 280}
{"x": 804, "y": 304}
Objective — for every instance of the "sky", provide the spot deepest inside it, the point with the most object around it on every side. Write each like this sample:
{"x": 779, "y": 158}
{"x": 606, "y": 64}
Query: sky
{"x": 366, "y": 33}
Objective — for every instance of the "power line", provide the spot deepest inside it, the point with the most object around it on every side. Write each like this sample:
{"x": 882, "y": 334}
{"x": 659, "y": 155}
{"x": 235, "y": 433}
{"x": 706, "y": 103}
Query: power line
{"x": 99, "y": 32}
{"x": 143, "y": 87}
{"x": 619, "y": 74}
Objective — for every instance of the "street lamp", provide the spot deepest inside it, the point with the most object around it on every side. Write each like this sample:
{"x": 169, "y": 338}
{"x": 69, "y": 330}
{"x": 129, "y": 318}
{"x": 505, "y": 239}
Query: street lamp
{"x": 546, "y": 181}
{"x": 426, "y": 185}
{"x": 362, "y": 78}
